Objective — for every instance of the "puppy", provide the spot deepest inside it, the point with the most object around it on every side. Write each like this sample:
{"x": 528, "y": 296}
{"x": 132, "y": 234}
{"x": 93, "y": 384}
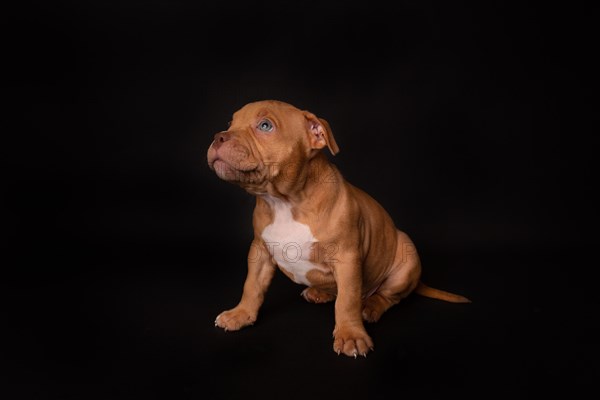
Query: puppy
{"x": 318, "y": 229}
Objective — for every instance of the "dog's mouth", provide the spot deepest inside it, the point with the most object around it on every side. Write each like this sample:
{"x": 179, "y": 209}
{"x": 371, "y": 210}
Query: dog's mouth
{"x": 236, "y": 164}
{"x": 238, "y": 172}
{"x": 246, "y": 166}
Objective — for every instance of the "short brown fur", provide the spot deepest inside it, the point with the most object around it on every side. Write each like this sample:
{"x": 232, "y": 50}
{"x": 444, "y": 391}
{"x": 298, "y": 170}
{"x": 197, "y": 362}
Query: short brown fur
{"x": 362, "y": 260}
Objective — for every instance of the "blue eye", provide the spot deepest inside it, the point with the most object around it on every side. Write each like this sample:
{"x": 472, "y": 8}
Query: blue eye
{"x": 265, "y": 125}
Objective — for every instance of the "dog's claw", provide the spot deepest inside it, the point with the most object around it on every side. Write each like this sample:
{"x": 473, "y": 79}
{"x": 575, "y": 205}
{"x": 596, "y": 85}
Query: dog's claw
{"x": 364, "y": 355}
{"x": 354, "y": 355}
{"x": 338, "y": 352}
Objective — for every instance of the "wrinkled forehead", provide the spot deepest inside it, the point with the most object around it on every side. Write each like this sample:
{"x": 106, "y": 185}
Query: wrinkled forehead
{"x": 262, "y": 109}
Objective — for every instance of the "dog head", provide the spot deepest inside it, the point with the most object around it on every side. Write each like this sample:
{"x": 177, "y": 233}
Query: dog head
{"x": 268, "y": 142}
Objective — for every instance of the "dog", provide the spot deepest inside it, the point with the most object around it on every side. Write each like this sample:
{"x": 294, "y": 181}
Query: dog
{"x": 313, "y": 225}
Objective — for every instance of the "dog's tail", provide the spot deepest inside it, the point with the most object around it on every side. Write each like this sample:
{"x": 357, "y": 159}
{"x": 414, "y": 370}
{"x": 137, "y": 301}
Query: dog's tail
{"x": 427, "y": 291}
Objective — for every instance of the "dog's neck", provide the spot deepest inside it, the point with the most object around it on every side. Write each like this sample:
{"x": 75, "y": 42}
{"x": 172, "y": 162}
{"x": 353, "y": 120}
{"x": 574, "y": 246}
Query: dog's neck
{"x": 300, "y": 183}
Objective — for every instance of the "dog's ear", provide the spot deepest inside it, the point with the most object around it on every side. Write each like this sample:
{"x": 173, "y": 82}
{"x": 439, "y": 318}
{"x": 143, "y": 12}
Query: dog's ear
{"x": 320, "y": 134}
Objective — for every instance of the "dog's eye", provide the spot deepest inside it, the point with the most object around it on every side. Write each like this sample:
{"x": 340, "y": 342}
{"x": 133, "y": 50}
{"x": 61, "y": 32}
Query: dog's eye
{"x": 265, "y": 125}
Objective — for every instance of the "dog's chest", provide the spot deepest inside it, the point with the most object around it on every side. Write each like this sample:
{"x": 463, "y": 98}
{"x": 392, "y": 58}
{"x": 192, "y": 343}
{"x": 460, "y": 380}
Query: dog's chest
{"x": 289, "y": 242}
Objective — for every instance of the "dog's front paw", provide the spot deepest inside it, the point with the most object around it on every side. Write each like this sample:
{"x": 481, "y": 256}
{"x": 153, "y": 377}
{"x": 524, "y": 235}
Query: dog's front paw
{"x": 352, "y": 341}
{"x": 234, "y": 319}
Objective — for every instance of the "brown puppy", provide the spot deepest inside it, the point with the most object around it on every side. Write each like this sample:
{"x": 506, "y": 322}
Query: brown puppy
{"x": 318, "y": 229}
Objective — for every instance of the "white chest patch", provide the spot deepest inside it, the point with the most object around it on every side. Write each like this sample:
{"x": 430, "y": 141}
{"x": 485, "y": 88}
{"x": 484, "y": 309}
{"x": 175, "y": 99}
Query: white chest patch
{"x": 289, "y": 242}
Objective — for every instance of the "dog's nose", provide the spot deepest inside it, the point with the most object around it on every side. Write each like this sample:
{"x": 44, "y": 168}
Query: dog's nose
{"x": 220, "y": 138}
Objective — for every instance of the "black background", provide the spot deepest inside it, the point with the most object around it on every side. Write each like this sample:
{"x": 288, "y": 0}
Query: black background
{"x": 468, "y": 122}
